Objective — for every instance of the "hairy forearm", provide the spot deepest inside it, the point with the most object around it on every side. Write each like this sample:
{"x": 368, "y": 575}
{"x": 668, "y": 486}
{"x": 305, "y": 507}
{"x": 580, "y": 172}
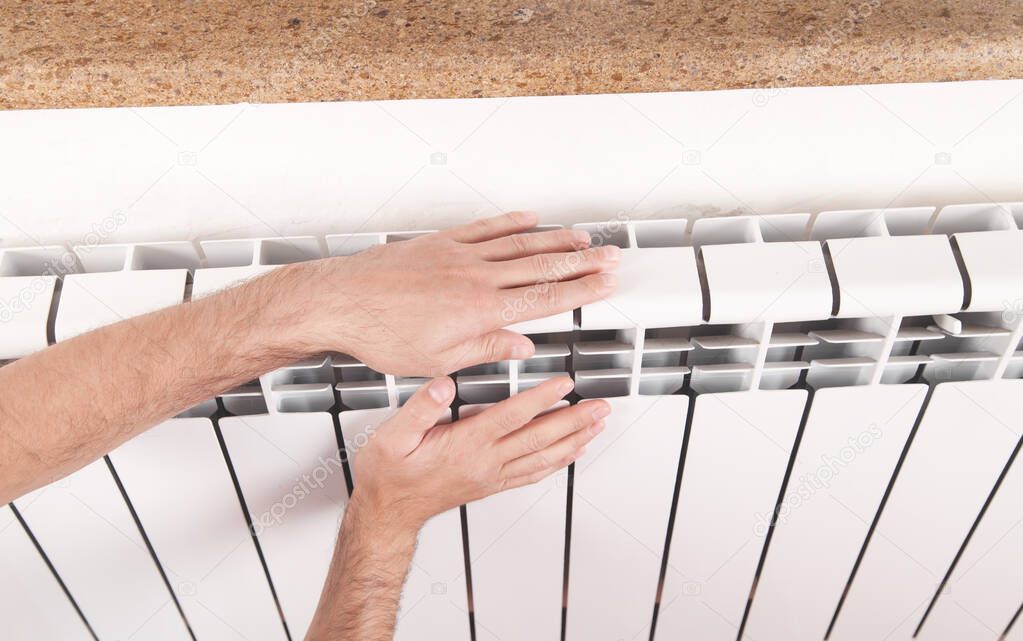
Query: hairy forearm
{"x": 426, "y": 306}
{"x": 69, "y": 404}
{"x": 360, "y": 597}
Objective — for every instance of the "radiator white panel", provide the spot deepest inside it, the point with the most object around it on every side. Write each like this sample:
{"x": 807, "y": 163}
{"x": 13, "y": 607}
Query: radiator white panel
{"x": 548, "y": 324}
{"x": 904, "y": 275}
{"x": 87, "y": 531}
{"x": 790, "y": 282}
{"x": 177, "y": 480}
{"x": 739, "y": 446}
{"x": 622, "y": 494}
{"x": 994, "y": 265}
{"x": 967, "y": 434}
{"x": 851, "y": 443}
{"x": 986, "y": 587}
{"x": 214, "y": 279}
{"x": 433, "y": 602}
{"x": 89, "y": 301}
{"x": 517, "y": 550}
{"x": 32, "y": 605}
{"x": 293, "y": 482}
{"x": 24, "y": 311}
{"x": 657, "y": 287}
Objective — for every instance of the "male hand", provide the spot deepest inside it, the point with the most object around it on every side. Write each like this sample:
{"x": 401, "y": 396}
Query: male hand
{"x": 437, "y": 303}
{"x": 414, "y": 468}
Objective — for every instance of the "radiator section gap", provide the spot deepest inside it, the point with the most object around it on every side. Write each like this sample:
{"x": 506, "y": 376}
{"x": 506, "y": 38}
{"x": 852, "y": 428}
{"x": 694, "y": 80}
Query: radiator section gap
{"x": 880, "y": 510}
{"x": 672, "y": 513}
{"x": 248, "y": 523}
{"x": 777, "y": 505}
{"x": 969, "y": 535}
{"x": 53, "y": 570}
{"x": 149, "y": 545}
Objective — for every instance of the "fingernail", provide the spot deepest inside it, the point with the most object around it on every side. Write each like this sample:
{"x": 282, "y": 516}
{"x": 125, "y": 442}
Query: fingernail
{"x": 582, "y": 238}
{"x": 441, "y": 389}
{"x": 596, "y": 428}
{"x": 611, "y": 253}
{"x": 601, "y": 410}
{"x": 566, "y": 386}
{"x": 527, "y": 217}
{"x": 522, "y": 351}
{"x": 608, "y": 282}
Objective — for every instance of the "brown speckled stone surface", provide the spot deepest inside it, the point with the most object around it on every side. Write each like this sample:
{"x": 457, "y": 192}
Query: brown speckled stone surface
{"x": 78, "y": 53}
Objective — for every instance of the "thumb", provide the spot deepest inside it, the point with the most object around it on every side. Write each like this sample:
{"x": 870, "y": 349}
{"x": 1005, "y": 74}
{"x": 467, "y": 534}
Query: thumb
{"x": 499, "y": 345}
{"x": 422, "y": 411}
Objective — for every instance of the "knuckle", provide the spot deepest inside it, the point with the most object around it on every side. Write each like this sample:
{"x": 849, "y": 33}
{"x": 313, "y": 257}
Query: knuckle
{"x": 490, "y": 348}
{"x": 414, "y": 413}
{"x": 481, "y": 227}
{"x": 564, "y": 265}
{"x": 540, "y": 264}
{"x": 552, "y": 295}
{"x": 520, "y": 243}
{"x": 505, "y": 422}
{"x": 534, "y": 441}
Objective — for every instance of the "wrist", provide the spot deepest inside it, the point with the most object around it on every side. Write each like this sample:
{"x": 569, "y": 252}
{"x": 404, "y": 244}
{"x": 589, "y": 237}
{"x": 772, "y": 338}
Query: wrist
{"x": 386, "y": 521}
{"x": 283, "y": 308}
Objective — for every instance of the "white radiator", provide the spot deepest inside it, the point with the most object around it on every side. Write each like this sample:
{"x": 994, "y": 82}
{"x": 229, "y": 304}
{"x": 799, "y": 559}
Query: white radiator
{"x": 814, "y": 428}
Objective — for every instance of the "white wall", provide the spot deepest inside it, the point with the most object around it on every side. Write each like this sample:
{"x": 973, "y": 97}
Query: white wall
{"x": 259, "y": 170}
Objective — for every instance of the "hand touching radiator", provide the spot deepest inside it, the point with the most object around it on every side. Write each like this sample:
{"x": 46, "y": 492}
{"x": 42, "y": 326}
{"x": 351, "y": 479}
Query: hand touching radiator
{"x": 413, "y": 469}
{"x": 426, "y": 306}
{"x": 437, "y": 303}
